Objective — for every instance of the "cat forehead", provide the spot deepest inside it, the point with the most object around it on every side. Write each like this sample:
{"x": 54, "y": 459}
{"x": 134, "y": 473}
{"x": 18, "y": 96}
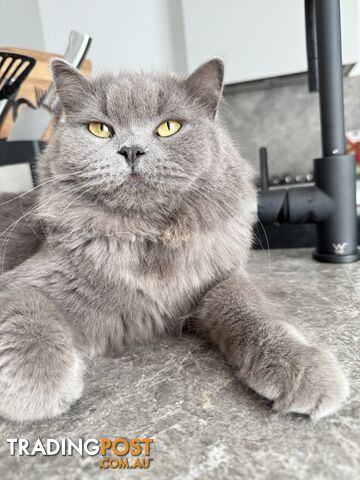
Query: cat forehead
{"x": 139, "y": 95}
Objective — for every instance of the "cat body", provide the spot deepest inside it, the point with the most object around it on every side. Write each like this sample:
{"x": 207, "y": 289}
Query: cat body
{"x": 139, "y": 232}
{"x": 97, "y": 275}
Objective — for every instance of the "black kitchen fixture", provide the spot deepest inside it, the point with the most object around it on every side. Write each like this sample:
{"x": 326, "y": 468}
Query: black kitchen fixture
{"x": 14, "y": 68}
{"x": 330, "y": 202}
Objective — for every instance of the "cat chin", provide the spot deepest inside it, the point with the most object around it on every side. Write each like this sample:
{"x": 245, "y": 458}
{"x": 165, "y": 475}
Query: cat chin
{"x": 135, "y": 185}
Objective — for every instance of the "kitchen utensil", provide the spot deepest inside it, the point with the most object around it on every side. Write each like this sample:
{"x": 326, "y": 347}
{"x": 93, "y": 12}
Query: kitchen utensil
{"x": 31, "y": 124}
{"x": 39, "y": 76}
{"x": 39, "y": 94}
{"x": 14, "y": 68}
{"x": 15, "y": 104}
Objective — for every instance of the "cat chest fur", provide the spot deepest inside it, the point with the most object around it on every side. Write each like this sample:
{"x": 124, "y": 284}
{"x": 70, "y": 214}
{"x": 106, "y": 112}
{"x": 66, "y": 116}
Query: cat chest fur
{"x": 171, "y": 277}
{"x": 144, "y": 275}
{"x": 126, "y": 290}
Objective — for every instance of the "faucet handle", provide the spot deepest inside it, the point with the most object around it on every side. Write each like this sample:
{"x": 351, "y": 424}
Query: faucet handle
{"x": 264, "y": 172}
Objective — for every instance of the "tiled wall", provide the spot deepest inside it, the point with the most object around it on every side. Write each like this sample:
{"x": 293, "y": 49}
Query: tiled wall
{"x": 285, "y": 119}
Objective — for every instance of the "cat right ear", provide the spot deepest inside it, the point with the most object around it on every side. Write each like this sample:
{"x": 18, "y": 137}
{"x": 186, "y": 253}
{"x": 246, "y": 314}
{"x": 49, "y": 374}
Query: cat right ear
{"x": 71, "y": 85}
{"x": 206, "y": 84}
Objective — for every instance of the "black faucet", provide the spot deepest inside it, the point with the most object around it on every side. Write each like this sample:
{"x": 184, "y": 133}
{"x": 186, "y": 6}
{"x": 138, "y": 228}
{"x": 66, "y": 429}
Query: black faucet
{"x": 330, "y": 202}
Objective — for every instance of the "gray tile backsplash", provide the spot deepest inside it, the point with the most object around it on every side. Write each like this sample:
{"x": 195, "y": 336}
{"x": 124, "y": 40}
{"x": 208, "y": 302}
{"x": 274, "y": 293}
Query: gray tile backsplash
{"x": 286, "y": 120}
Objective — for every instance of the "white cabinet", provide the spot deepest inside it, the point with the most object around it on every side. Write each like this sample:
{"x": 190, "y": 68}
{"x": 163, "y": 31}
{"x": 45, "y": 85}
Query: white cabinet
{"x": 127, "y": 34}
{"x": 257, "y": 38}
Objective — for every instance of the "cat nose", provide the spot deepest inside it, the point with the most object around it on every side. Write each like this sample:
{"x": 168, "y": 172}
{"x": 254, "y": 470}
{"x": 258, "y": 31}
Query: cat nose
{"x": 131, "y": 154}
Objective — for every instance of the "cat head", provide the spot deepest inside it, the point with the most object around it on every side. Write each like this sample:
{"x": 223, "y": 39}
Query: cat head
{"x": 136, "y": 139}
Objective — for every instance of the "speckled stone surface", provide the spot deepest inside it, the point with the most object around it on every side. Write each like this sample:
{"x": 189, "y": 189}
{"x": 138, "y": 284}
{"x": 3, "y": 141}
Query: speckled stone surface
{"x": 205, "y": 424}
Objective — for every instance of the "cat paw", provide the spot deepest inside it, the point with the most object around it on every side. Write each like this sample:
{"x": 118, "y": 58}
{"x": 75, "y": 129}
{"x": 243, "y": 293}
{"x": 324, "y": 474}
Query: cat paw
{"x": 317, "y": 387}
{"x": 26, "y": 402}
{"x": 40, "y": 369}
{"x": 307, "y": 381}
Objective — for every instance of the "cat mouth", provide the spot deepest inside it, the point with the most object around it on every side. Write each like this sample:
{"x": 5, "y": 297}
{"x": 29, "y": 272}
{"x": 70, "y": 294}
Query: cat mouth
{"x": 139, "y": 181}
{"x": 134, "y": 177}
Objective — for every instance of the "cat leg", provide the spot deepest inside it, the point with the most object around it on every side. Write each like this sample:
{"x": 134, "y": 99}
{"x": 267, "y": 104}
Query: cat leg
{"x": 270, "y": 355}
{"x": 40, "y": 368}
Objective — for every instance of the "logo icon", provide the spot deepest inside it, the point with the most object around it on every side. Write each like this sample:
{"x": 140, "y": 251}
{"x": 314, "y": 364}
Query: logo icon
{"x": 339, "y": 248}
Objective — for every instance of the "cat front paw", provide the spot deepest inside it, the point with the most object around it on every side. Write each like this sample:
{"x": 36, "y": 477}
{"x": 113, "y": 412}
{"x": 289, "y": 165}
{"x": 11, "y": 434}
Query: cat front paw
{"x": 40, "y": 369}
{"x": 318, "y": 387}
{"x": 310, "y": 382}
{"x": 28, "y": 399}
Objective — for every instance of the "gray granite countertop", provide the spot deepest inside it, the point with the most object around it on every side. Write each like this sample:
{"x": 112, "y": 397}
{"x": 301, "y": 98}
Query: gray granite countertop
{"x": 205, "y": 424}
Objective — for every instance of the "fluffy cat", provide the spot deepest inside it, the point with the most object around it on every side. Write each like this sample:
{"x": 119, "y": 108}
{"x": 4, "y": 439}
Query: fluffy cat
{"x": 137, "y": 232}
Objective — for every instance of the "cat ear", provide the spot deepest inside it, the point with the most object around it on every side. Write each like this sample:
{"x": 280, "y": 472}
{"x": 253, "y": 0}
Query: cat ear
{"x": 71, "y": 86}
{"x": 206, "y": 84}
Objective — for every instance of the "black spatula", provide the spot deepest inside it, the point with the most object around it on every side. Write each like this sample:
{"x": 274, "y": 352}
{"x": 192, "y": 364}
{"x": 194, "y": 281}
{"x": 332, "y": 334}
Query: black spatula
{"x": 14, "y": 68}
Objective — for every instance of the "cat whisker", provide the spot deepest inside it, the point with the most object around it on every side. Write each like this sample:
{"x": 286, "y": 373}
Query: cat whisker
{"x": 51, "y": 180}
{"x": 77, "y": 197}
{"x": 31, "y": 212}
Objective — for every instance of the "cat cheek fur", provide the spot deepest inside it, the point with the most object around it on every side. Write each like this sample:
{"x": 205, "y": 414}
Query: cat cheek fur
{"x": 117, "y": 259}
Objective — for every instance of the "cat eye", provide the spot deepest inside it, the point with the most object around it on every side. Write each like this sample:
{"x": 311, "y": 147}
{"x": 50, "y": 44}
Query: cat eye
{"x": 100, "y": 129}
{"x": 168, "y": 128}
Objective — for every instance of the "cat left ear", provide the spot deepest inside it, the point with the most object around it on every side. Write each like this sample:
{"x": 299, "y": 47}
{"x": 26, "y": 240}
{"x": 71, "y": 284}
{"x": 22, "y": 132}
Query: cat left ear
{"x": 71, "y": 85}
{"x": 206, "y": 84}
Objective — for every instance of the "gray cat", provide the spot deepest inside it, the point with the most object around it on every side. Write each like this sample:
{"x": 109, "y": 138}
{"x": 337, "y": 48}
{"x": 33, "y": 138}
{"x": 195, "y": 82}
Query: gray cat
{"x": 144, "y": 218}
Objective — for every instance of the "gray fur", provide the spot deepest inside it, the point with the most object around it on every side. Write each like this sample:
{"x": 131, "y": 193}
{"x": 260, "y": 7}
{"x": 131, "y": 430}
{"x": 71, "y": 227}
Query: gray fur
{"x": 121, "y": 259}
{"x": 20, "y": 233}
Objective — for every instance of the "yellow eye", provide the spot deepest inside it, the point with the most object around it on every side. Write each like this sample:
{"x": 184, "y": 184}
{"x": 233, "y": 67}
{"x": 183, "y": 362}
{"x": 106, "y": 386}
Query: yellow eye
{"x": 100, "y": 129}
{"x": 168, "y": 128}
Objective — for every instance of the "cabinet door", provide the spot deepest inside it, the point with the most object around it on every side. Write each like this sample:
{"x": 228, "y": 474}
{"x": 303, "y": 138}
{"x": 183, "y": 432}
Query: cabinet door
{"x": 257, "y": 38}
